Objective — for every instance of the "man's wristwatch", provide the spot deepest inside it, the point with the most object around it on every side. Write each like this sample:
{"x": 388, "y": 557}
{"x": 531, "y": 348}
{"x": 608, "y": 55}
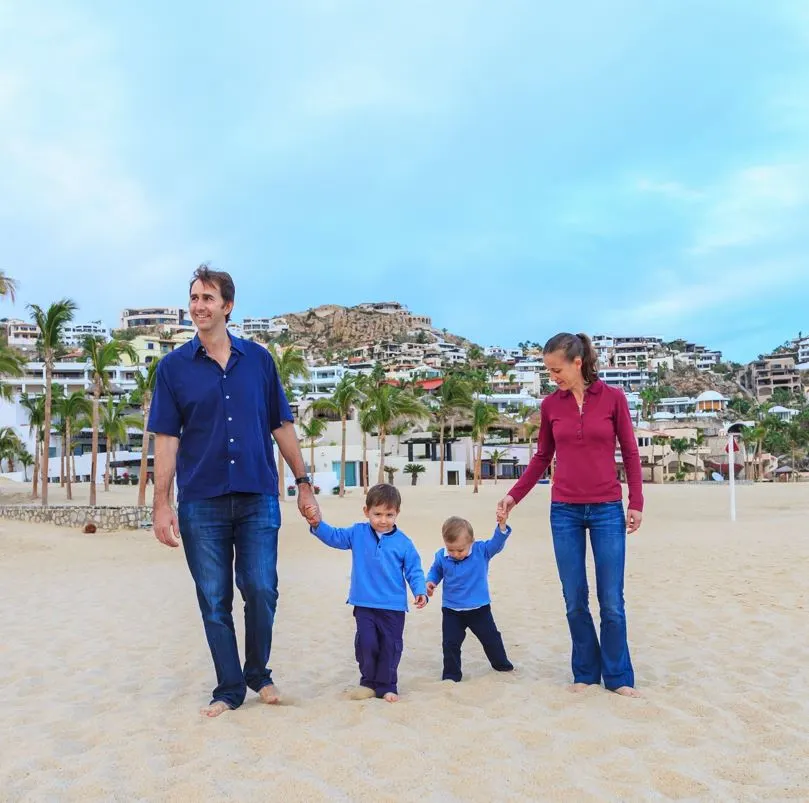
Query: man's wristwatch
{"x": 304, "y": 480}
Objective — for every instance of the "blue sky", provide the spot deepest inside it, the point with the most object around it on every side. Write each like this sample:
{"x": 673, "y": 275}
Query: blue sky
{"x": 511, "y": 169}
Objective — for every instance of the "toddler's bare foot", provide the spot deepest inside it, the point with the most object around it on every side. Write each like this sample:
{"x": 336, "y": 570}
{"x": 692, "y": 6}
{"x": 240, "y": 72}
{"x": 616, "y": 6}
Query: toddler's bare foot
{"x": 214, "y": 709}
{"x": 361, "y": 693}
{"x": 627, "y": 691}
{"x": 390, "y": 697}
{"x": 269, "y": 694}
{"x": 577, "y": 688}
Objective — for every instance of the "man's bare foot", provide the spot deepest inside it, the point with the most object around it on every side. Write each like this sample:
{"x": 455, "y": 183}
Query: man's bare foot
{"x": 627, "y": 691}
{"x": 269, "y": 694}
{"x": 215, "y": 709}
{"x": 361, "y": 693}
{"x": 577, "y": 688}
{"x": 390, "y": 697}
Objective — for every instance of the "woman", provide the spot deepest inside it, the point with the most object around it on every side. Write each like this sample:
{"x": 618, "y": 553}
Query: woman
{"x": 580, "y": 423}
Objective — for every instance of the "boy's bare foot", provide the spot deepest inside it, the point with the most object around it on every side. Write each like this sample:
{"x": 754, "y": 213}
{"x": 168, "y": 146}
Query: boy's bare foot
{"x": 361, "y": 693}
{"x": 215, "y": 709}
{"x": 269, "y": 694}
{"x": 390, "y": 697}
{"x": 627, "y": 691}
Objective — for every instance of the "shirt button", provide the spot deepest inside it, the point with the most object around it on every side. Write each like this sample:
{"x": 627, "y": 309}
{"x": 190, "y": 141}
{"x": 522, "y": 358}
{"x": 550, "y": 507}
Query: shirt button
{"x": 224, "y": 376}
{"x": 232, "y": 462}
{"x": 227, "y": 397}
{"x": 231, "y": 440}
{"x": 230, "y": 418}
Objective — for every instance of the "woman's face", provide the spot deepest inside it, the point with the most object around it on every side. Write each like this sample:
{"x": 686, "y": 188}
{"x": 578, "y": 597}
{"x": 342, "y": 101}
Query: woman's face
{"x": 566, "y": 373}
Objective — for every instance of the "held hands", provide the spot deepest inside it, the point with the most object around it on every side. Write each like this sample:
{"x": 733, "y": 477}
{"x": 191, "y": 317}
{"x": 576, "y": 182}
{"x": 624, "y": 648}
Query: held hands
{"x": 421, "y": 600}
{"x": 430, "y": 588}
{"x": 504, "y": 507}
{"x": 311, "y": 513}
{"x": 165, "y": 525}
{"x": 633, "y": 520}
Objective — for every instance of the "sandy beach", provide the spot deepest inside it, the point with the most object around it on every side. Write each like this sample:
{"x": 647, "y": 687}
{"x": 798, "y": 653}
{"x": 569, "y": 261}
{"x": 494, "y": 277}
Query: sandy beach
{"x": 103, "y": 666}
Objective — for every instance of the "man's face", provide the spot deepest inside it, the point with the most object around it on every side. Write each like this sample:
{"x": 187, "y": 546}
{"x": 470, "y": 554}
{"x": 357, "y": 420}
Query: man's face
{"x": 382, "y": 519}
{"x": 207, "y": 308}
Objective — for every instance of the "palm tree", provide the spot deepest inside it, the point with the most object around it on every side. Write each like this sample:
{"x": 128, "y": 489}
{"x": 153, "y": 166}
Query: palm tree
{"x": 11, "y": 364}
{"x": 8, "y": 286}
{"x": 51, "y": 325}
{"x": 483, "y": 417}
{"x": 10, "y": 446}
{"x": 114, "y": 424}
{"x": 102, "y": 356}
{"x": 390, "y": 404}
{"x": 72, "y": 408}
{"x": 35, "y": 407}
{"x": 26, "y": 460}
{"x": 414, "y": 469}
{"x": 497, "y": 456}
{"x": 345, "y": 397}
{"x": 453, "y": 395}
{"x": 311, "y": 431}
{"x": 390, "y": 471}
{"x": 530, "y": 430}
{"x": 144, "y": 388}
{"x": 650, "y": 397}
{"x": 289, "y": 363}
{"x": 680, "y": 446}
{"x": 659, "y": 440}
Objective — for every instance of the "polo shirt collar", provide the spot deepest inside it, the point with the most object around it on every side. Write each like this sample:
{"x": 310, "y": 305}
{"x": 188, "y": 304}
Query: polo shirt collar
{"x": 447, "y": 555}
{"x": 593, "y": 390}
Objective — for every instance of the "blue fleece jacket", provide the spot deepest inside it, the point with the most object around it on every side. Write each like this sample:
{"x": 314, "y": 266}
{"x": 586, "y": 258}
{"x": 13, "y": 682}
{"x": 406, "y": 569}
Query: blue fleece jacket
{"x": 466, "y": 581}
{"x": 379, "y": 564}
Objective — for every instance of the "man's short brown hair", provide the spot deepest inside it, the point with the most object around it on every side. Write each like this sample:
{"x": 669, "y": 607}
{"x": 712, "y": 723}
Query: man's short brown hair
{"x": 383, "y": 495}
{"x": 219, "y": 279}
{"x": 454, "y": 527}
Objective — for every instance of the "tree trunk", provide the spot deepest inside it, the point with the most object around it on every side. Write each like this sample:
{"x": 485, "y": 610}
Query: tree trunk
{"x": 478, "y": 463}
{"x": 382, "y": 434}
{"x": 441, "y": 449}
{"x": 365, "y": 462}
{"x": 413, "y": 478}
{"x": 35, "y": 488}
{"x": 108, "y": 444}
{"x": 144, "y": 457}
{"x": 46, "y": 430}
{"x": 62, "y": 459}
{"x": 94, "y": 449}
{"x": 494, "y": 467}
{"x": 68, "y": 450}
{"x": 73, "y": 461}
{"x": 342, "y": 490}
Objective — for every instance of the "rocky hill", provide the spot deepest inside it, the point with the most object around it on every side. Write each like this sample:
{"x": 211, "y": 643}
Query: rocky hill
{"x": 689, "y": 381}
{"x": 335, "y": 328}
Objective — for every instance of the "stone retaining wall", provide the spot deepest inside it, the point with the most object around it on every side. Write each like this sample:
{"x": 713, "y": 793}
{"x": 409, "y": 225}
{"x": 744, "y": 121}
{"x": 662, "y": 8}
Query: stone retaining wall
{"x": 130, "y": 517}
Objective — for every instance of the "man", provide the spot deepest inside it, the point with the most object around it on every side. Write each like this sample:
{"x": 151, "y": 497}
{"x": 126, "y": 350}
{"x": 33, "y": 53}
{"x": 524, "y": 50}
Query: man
{"x": 217, "y": 399}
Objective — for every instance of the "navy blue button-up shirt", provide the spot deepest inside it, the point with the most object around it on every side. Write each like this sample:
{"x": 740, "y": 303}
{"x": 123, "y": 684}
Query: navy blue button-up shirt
{"x": 223, "y": 418}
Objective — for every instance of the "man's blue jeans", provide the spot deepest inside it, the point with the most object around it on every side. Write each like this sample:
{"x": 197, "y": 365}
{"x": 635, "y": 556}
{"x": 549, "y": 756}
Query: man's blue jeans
{"x": 607, "y": 525}
{"x": 212, "y": 531}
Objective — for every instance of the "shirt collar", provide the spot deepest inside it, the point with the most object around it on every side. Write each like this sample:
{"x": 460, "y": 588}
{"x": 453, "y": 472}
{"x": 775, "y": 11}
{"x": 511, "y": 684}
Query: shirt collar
{"x": 383, "y": 535}
{"x": 236, "y": 343}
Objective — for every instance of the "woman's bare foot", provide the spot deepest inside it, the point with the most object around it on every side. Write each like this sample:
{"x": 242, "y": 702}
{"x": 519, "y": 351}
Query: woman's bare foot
{"x": 269, "y": 694}
{"x": 361, "y": 693}
{"x": 390, "y": 697}
{"x": 627, "y": 691}
{"x": 215, "y": 709}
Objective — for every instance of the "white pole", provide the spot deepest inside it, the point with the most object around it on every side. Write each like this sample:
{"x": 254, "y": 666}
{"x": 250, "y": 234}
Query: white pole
{"x": 732, "y": 474}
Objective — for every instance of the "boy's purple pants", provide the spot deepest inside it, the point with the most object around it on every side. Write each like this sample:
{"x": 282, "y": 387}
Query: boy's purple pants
{"x": 378, "y": 647}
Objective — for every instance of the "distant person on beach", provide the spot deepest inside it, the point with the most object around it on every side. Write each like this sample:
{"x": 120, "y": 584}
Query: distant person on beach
{"x": 383, "y": 559}
{"x": 580, "y": 423}
{"x": 463, "y": 565}
{"x": 218, "y": 404}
